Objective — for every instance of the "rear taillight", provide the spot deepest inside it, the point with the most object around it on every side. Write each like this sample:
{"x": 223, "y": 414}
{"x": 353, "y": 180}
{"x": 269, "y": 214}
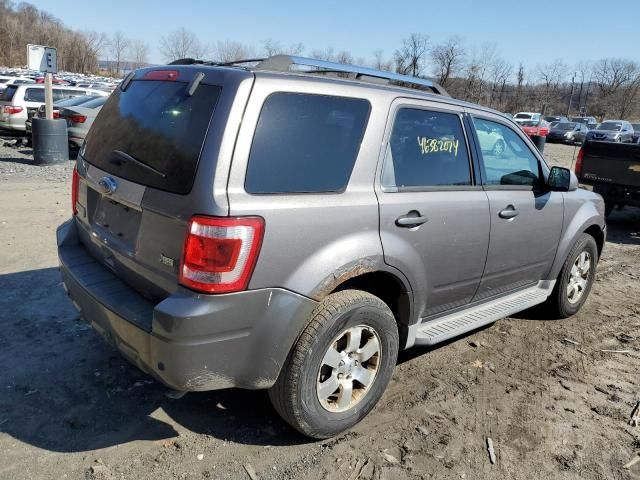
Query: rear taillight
{"x": 56, "y": 114}
{"x": 11, "y": 110}
{"x": 74, "y": 190}
{"x": 220, "y": 253}
{"x": 75, "y": 118}
{"x": 578, "y": 168}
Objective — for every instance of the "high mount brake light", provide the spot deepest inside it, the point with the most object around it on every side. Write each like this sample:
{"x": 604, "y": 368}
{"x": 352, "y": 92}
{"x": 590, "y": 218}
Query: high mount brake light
{"x": 220, "y": 253}
{"x": 167, "y": 75}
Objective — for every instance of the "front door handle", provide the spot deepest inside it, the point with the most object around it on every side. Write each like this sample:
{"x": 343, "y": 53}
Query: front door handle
{"x": 411, "y": 219}
{"x": 509, "y": 212}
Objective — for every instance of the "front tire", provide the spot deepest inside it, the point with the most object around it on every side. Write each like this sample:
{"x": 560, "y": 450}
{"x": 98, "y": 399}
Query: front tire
{"x": 576, "y": 278}
{"x": 340, "y": 365}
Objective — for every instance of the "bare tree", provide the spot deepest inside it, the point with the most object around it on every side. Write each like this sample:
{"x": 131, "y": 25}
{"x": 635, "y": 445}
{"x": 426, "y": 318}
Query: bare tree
{"x": 139, "y": 53}
{"x": 231, "y": 51}
{"x": 326, "y": 54}
{"x": 272, "y": 47}
{"x": 447, "y": 59}
{"x": 119, "y": 45}
{"x": 410, "y": 57}
{"x": 380, "y": 63}
{"x": 90, "y": 46}
{"x": 499, "y": 73}
{"x": 181, "y": 43}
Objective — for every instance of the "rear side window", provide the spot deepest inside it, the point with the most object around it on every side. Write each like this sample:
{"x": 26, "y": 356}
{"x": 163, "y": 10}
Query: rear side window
{"x": 34, "y": 95}
{"x": 305, "y": 143}
{"x": 8, "y": 93}
{"x": 426, "y": 149}
{"x": 152, "y": 133}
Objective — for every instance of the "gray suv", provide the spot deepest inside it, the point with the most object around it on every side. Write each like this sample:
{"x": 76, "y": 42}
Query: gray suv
{"x": 292, "y": 224}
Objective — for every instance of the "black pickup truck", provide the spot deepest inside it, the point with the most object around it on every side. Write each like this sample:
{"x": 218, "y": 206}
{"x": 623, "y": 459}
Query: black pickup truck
{"x": 613, "y": 169}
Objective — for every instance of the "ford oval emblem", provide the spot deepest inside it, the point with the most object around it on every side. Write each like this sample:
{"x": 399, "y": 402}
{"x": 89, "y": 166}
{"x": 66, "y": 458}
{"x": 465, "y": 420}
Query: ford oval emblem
{"x": 108, "y": 185}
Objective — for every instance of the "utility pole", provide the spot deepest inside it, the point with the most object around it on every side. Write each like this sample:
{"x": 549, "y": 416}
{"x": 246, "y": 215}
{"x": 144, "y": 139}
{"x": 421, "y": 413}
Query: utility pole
{"x": 571, "y": 95}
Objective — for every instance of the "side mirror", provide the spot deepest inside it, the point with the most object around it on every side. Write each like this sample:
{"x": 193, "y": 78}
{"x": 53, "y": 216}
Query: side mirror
{"x": 562, "y": 180}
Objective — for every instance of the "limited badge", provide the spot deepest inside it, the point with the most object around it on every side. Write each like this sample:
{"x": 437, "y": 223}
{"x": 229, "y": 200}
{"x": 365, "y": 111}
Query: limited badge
{"x": 168, "y": 261}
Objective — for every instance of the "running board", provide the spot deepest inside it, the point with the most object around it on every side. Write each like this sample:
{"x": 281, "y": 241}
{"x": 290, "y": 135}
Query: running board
{"x": 458, "y": 323}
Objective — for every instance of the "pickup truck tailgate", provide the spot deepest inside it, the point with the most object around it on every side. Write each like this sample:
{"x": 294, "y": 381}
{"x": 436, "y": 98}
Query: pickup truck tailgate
{"x": 611, "y": 163}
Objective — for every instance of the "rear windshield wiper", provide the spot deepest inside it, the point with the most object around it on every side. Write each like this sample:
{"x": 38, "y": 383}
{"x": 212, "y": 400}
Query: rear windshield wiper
{"x": 120, "y": 157}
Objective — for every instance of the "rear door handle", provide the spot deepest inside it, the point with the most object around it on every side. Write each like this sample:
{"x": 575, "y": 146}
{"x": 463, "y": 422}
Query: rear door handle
{"x": 509, "y": 212}
{"x": 411, "y": 219}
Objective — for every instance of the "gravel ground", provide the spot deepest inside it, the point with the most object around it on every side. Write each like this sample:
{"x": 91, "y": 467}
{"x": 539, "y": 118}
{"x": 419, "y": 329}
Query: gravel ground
{"x": 70, "y": 407}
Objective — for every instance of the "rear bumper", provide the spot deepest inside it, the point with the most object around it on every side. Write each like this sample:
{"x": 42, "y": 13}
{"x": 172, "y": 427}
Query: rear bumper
{"x": 617, "y": 194}
{"x": 13, "y": 123}
{"x": 189, "y": 341}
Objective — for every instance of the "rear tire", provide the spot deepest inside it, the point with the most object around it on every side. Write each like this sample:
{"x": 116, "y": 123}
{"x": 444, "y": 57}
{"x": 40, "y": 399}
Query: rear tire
{"x": 304, "y": 393}
{"x": 575, "y": 280}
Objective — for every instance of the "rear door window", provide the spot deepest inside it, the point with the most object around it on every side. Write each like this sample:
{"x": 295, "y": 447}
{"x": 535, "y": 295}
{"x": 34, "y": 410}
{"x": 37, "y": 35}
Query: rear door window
{"x": 305, "y": 143}
{"x": 426, "y": 149}
{"x": 152, "y": 133}
{"x": 34, "y": 95}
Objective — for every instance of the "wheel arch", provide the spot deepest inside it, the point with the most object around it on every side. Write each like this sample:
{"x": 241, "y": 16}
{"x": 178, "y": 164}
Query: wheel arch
{"x": 391, "y": 289}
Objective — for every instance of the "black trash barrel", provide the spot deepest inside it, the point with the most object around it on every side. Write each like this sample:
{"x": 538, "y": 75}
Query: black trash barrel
{"x": 50, "y": 141}
{"x": 539, "y": 141}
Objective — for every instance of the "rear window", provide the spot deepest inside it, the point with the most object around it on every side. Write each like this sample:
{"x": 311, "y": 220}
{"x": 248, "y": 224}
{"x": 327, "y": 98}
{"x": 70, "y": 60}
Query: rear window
{"x": 95, "y": 102}
{"x": 152, "y": 133}
{"x": 305, "y": 143}
{"x": 8, "y": 93}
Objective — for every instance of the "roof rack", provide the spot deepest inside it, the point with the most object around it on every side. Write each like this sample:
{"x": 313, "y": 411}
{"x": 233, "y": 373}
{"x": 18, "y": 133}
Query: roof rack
{"x": 285, "y": 62}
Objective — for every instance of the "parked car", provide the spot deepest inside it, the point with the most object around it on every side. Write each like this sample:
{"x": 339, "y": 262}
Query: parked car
{"x": 234, "y": 227}
{"x": 636, "y": 132}
{"x": 613, "y": 170}
{"x": 567, "y": 132}
{"x": 39, "y": 112}
{"x": 535, "y": 128}
{"x": 491, "y": 140}
{"x": 556, "y": 118}
{"x": 16, "y": 99}
{"x": 521, "y": 117}
{"x": 54, "y": 81}
{"x": 80, "y": 118}
{"x": 591, "y": 122}
{"x": 5, "y": 81}
{"x": 612, "y": 131}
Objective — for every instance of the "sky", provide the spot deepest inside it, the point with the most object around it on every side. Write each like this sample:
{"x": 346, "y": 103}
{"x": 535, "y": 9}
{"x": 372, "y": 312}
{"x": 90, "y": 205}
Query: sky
{"x": 530, "y": 32}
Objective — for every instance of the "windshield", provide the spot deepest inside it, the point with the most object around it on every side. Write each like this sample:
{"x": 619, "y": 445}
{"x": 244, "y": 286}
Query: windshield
{"x": 522, "y": 115}
{"x": 153, "y": 126}
{"x": 610, "y": 126}
{"x": 636, "y": 127}
{"x": 565, "y": 126}
{"x": 529, "y": 124}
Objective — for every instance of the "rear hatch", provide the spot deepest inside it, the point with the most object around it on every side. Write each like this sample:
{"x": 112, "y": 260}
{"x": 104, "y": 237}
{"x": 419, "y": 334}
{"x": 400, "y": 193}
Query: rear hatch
{"x": 611, "y": 163}
{"x": 6, "y": 97}
{"x": 137, "y": 171}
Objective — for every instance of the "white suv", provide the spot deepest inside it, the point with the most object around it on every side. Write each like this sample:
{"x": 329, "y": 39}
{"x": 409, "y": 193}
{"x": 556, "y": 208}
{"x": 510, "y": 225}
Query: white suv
{"x": 16, "y": 99}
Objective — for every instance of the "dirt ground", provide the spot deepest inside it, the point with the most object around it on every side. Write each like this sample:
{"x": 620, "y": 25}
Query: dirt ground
{"x": 71, "y": 408}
